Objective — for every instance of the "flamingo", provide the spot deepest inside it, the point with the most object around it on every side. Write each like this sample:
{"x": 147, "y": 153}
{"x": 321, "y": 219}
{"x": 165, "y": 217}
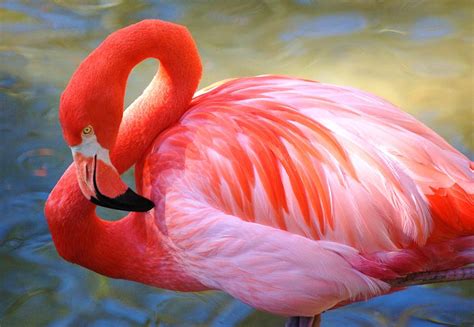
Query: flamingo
{"x": 291, "y": 195}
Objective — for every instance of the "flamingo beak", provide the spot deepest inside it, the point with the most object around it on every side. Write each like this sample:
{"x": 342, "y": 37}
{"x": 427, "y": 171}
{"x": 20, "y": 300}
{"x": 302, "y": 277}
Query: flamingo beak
{"x": 101, "y": 183}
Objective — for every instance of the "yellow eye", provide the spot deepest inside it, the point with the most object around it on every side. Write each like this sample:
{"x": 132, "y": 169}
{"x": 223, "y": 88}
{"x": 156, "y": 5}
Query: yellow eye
{"x": 87, "y": 130}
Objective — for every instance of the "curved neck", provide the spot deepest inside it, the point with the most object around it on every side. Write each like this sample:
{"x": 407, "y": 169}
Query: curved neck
{"x": 163, "y": 101}
{"x": 117, "y": 248}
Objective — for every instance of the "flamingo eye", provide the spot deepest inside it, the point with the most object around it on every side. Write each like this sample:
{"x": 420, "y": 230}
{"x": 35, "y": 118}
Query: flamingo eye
{"x": 87, "y": 131}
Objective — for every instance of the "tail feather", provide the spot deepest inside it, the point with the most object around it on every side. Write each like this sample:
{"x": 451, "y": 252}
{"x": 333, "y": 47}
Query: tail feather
{"x": 441, "y": 256}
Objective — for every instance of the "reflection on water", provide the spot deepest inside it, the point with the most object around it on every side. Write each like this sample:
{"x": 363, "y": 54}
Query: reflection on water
{"x": 417, "y": 54}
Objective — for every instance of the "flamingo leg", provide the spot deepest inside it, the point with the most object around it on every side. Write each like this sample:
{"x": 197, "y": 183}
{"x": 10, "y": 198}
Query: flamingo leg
{"x": 303, "y": 321}
{"x": 431, "y": 277}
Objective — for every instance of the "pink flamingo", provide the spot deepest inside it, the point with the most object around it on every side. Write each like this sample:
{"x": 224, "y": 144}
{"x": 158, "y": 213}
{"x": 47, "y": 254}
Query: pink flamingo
{"x": 291, "y": 195}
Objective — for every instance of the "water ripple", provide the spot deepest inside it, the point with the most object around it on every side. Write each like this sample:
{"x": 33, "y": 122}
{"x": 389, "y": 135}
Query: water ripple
{"x": 328, "y": 25}
{"x": 431, "y": 28}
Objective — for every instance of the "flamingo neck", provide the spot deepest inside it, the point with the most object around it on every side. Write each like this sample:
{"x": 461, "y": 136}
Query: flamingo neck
{"x": 130, "y": 248}
{"x": 105, "y": 72}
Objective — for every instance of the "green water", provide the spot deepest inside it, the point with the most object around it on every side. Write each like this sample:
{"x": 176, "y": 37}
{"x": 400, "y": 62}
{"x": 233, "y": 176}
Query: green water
{"x": 417, "y": 54}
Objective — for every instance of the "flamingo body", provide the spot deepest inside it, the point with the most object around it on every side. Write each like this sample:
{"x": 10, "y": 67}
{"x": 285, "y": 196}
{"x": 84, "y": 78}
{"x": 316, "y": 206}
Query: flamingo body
{"x": 291, "y": 195}
{"x": 338, "y": 170}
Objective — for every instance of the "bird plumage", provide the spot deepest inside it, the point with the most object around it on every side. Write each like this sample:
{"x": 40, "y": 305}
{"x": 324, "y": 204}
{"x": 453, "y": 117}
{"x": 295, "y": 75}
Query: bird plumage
{"x": 336, "y": 169}
{"x": 292, "y": 195}
{"x": 318, "y": 160}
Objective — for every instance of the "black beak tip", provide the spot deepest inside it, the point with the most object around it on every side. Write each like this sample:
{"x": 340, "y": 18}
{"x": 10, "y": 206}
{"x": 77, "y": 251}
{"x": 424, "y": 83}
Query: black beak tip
{"x": 135, "y": 201}
{"x": 128, "y": 201}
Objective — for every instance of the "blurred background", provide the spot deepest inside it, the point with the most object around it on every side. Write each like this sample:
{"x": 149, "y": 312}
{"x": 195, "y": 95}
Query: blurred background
{"x": 417, "y": 54}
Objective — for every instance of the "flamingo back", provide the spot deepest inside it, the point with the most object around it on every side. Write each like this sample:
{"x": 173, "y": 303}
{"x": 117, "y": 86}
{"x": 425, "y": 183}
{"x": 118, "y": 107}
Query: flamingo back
{"x": 321, "y": 161}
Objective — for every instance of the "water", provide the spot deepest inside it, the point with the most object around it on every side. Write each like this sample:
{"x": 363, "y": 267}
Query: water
{"x": 417, "y": 54}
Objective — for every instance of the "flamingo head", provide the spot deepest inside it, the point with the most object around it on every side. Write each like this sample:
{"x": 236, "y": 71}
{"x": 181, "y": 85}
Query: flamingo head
{"x": 90, "y": 125}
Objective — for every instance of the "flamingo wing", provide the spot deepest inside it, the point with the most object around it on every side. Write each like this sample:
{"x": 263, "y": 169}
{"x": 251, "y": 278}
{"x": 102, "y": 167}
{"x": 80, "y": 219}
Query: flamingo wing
{"x": 268, "y": 268}
{"x": 317, "y": 160}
